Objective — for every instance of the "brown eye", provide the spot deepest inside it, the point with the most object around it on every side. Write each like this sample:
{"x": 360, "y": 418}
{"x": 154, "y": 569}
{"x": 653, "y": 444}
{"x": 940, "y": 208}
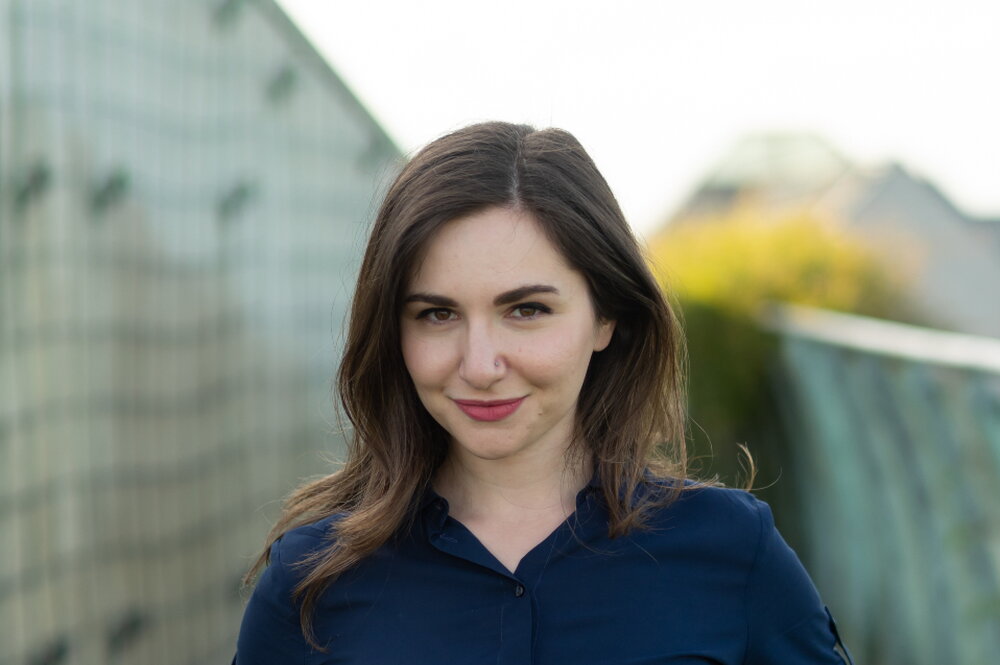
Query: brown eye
{"x": 436, "y": 315}
{"x": 529, "y": 311}
{"x": 526, "y": 312}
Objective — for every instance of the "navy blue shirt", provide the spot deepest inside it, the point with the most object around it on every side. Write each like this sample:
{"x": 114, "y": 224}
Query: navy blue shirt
{"x": 711, "y": 581}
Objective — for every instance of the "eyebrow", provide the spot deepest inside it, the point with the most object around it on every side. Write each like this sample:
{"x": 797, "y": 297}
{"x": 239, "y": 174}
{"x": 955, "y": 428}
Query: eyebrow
{"x": 522, "y": 292}
{"x": 430, "y": 299}
{"x": 505, "y": 298}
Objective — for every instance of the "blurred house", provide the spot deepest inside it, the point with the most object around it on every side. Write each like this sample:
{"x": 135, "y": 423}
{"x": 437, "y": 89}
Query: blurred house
{"x": 185, "y": 186}
{"x": 954, "y": 260}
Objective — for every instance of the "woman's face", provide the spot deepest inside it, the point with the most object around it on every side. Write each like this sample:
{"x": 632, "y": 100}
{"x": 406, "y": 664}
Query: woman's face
{"x": 497, "y": 333}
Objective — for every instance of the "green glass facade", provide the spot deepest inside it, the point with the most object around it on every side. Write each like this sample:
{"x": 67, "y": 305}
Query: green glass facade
{"x": 184, "y": 190}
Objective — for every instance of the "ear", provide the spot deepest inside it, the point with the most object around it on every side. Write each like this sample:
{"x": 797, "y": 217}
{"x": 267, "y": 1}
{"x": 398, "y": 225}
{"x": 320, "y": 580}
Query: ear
{"x": 603, "y": 333}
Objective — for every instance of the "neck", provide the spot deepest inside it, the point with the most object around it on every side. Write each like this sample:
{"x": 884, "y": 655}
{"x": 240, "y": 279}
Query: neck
{"x": 512, "y": 490}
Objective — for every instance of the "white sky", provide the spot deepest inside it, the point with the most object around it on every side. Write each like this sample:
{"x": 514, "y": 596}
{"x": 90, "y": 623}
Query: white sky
{"x": 658, "y": 91}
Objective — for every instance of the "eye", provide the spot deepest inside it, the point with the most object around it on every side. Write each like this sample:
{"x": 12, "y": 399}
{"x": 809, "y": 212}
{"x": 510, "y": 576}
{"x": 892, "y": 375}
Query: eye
{"x": 437, "y": 315}
{"x": 529, "y": 310}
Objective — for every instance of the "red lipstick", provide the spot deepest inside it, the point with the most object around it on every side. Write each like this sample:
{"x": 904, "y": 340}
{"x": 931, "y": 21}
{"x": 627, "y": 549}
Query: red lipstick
{"x": 488, "y": 410}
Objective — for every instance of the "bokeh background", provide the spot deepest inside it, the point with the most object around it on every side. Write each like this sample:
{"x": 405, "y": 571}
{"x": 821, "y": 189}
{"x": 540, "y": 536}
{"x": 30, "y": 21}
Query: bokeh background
{"x": 186, "y": 185}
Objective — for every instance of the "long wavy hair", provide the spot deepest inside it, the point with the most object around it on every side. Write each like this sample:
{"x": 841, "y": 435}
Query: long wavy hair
{"x": 630, "y": 418}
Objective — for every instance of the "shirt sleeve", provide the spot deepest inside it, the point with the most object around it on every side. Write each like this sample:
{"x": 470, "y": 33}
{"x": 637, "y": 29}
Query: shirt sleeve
{"x": 270, "y": 632}
{"x": 787, "y": 622}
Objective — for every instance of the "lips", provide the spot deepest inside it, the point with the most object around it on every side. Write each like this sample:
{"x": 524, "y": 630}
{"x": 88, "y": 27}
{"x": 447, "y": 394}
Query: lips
{"x": 488, "y": 410}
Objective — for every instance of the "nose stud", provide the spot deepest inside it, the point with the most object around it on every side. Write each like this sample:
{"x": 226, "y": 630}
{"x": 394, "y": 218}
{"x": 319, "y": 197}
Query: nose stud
{"x": 496, "y": 363}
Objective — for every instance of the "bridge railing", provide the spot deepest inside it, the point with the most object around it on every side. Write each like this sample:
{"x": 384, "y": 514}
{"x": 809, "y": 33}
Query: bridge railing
{"x": 896, "y": 491}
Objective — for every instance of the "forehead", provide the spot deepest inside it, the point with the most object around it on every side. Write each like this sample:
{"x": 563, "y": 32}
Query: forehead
{"x": 496, "y": 246}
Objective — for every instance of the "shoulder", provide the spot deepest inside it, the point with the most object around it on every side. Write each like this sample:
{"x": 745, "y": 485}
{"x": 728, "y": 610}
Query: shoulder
{"x": 723, "y": 529}
{"x": 296, "y": 545}
{"x": 735, "y": 503}
{"x": 284, "y": 570}
{"x": 716, "y": 513}
{"x": 736, "y": 519}
{"x": 785, "y": 617}
{"x": 271, "y": 631}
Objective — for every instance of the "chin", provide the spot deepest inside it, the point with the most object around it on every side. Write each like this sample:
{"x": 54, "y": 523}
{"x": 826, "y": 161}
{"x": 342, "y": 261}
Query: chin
{"x": 487, "y": 450}
{"x": 488, "y": 453}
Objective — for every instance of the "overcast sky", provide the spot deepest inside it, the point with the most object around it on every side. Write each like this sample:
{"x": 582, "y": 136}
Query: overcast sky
{"x": 658, "y": 91}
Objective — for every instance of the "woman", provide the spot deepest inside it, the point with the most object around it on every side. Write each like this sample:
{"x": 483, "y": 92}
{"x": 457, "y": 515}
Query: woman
{"x": 514, "y": 489}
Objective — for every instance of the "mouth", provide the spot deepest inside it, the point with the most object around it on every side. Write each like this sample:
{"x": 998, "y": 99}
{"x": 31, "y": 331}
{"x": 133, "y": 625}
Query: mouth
{"x": 488, "y": 410}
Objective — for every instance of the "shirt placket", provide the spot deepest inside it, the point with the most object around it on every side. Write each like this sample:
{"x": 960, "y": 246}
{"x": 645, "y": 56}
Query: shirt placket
{"x": 517, "y": 612}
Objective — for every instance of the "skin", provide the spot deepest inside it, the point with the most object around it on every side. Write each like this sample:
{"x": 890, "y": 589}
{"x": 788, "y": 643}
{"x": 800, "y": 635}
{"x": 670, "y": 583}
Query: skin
{"x": 494, "y": 312}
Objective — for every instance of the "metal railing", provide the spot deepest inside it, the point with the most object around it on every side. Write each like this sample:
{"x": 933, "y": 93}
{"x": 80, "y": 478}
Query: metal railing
{"x": 896, "y": 467}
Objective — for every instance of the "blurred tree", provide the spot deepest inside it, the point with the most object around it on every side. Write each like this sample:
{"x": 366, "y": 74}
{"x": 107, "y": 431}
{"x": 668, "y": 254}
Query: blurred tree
{"x": 722, "y": 271}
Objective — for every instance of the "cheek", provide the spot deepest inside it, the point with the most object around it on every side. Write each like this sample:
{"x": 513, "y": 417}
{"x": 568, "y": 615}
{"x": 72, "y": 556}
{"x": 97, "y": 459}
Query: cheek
{"x": 427, "y": 361}
{"x": 412, "y": 354}
{"x": 558, "y": 357}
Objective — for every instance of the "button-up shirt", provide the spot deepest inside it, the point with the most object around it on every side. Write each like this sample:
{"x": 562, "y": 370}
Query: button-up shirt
{"x": 709, "y": 580}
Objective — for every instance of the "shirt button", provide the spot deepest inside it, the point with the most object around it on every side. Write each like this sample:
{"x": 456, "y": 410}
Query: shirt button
{"x": 519, "y": 590}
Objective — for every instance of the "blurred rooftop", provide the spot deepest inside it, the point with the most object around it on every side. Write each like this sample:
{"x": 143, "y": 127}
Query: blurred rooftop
{"x": 907, "y": 220}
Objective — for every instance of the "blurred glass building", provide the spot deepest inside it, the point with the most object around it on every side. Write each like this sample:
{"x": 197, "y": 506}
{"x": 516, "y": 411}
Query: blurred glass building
{"x": 184, "y": 189}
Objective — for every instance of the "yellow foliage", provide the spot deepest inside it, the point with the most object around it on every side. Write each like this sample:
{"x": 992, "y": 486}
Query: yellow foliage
{"x": 747, "y": 258}
{"x": 722, "y": 271}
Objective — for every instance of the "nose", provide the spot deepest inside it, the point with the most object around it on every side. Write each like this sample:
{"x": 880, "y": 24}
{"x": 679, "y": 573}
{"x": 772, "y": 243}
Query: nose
{"x": 481, "y": 365}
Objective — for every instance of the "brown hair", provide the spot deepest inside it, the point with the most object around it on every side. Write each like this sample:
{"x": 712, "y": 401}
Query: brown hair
{"x": 630, "y": 415}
